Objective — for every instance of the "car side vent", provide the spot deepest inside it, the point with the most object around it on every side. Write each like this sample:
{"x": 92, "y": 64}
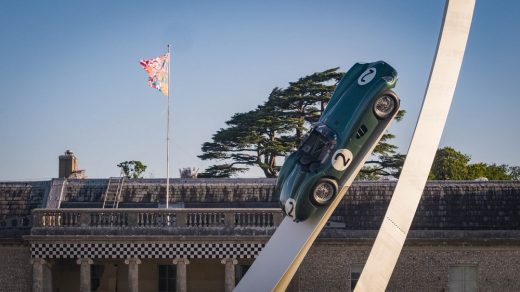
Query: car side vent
{"x": 361, "y": 131}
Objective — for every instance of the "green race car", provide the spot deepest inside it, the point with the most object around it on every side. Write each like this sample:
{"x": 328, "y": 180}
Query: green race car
{"x": 359, "y": 111}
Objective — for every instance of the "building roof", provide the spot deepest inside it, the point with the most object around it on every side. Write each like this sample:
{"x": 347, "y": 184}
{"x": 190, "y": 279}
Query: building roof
{"x": 445, "y": 205}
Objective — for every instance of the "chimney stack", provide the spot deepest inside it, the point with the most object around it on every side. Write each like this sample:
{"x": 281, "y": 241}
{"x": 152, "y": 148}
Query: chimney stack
{"x": 68, "y": 164}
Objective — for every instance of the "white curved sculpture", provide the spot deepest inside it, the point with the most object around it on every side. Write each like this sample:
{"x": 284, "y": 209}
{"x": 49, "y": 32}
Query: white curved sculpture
{"x": 425, "y": 141}
{"x": 283, "y": 254}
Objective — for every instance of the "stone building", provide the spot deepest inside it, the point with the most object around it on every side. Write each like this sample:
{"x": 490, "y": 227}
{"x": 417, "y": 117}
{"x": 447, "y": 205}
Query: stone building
{"x": 116, "y": 235}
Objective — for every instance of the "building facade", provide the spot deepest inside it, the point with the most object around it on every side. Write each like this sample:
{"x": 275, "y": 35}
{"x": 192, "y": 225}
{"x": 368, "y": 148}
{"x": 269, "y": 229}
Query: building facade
{"x": 116, "y": 235}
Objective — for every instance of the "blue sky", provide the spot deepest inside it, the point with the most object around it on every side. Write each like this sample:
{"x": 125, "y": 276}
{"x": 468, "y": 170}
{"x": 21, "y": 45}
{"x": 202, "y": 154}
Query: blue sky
{"x": 70, "y": 77}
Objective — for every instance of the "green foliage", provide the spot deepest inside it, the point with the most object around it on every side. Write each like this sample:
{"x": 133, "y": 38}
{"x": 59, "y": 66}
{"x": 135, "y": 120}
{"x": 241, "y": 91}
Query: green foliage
{"x": 220, "y": 171}
{"x": 514, "y": 172}
{"x": 386, "y": 163}
{"x": 304, "y": 100}
{"x": 477, "y": 170}
{"x": 369, "y": 172}
{"x": 261, "y": 136}
{"x": 450, "y": 164}
{"x": 132, "y": 168}
{"x": 497, "y": 172}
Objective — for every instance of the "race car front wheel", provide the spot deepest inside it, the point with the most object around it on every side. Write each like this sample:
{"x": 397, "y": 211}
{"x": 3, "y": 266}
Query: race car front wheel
{"x": 324, "y": 191}
{"x": 386, "y": 104}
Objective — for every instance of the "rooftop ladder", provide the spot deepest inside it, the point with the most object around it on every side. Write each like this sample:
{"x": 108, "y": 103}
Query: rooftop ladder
{"x": 55, "y": 196}
{"x": 113, "y": 192}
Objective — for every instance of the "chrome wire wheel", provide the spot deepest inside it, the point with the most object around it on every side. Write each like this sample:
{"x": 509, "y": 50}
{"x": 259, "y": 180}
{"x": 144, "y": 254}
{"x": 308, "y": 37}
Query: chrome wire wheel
{"x": 385, "y": 106}
{"x": 324, "y": 191}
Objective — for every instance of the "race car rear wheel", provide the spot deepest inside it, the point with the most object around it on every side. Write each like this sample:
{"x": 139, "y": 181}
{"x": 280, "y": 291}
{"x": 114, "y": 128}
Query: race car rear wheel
{"x": 385, "y": 105}
{"x": 324, "y": 191}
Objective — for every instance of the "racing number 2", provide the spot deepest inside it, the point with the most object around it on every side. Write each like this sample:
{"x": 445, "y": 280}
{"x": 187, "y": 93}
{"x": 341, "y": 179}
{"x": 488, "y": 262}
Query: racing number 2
{"x": 341, "y": 159}
{"x": 289, "y": 207}
{"x": 345, "y": 160}
{"x": 367, "y": 76}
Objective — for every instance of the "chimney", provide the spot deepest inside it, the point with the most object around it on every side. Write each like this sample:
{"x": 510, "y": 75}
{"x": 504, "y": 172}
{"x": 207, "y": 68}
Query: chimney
{"x": 68, "y": 164}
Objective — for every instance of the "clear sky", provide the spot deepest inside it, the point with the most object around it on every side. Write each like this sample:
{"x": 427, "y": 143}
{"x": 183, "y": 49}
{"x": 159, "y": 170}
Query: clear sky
{"x": 70, "y": 77}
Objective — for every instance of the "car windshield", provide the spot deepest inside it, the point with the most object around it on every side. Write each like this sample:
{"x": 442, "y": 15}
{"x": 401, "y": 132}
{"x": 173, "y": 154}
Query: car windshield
{"x": 317, "y": 145}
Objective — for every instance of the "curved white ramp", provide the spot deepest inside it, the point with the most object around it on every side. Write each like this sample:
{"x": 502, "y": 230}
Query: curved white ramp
{"x": 425, "y": 141}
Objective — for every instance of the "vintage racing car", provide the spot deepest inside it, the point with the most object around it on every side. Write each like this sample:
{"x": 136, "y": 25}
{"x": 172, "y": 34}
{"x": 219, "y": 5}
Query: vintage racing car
{"x": 358, "y": 113}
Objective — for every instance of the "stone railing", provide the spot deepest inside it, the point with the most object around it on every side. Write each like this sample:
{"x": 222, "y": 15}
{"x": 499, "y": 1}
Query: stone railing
{"x": 156, "y": 218}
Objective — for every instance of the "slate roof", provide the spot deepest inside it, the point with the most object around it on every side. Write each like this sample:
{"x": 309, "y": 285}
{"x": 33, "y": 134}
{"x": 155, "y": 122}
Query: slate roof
{"x": 445, "y": 205}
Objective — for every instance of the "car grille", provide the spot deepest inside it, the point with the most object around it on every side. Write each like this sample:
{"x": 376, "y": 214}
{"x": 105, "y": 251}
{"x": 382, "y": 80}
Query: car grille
{"x": 361, "y": 131}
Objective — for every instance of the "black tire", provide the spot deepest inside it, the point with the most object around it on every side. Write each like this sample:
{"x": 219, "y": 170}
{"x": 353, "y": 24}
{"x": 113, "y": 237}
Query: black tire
{"x": 324, "y": 191}
{"x": 385, "y": 105}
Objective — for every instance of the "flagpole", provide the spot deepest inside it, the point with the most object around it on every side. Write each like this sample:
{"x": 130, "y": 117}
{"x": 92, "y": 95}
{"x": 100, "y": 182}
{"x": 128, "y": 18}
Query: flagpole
{"x": 168, "y": 136}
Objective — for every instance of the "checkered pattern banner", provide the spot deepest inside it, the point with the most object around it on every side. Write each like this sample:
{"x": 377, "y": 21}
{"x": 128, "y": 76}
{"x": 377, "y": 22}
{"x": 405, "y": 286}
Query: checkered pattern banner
{"x": 146, "y": 250}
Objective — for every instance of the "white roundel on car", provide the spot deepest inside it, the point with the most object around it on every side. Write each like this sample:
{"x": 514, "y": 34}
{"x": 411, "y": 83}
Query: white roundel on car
{"x": 341, "y": 159}
{"x": 367, "y": 76}
{"x": 290, "y": 204}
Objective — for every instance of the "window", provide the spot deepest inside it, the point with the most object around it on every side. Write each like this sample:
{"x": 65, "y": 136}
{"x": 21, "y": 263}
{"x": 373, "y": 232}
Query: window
{"x": 463, "y": 278}
{"x": 167, "y": 278}
{"x": 355, "y": 273}
{"x": 240, "y": 271}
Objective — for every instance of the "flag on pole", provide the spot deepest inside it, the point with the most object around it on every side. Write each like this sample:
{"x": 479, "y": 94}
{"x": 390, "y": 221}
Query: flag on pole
{"x": 157, "y": 69}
